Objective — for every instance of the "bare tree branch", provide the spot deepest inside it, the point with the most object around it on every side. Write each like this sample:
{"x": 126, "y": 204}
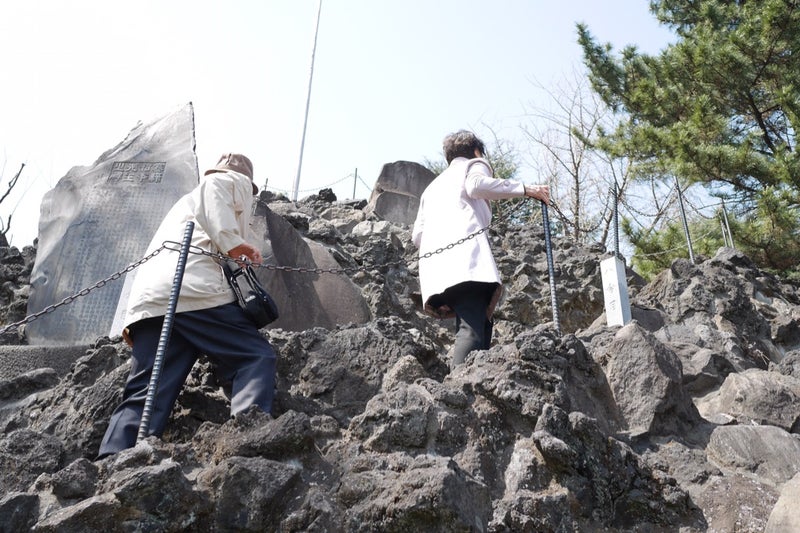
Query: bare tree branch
{"x": 4, "y": 228}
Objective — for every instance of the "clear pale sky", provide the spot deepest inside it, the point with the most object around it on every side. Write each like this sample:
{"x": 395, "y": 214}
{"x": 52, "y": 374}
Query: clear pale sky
{"x": 391, "y": 79}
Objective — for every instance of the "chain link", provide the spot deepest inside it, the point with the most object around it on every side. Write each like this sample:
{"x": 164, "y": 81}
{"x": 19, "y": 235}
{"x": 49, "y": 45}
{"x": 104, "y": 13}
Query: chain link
{"x": 83, "y": 292}
{"x": 175, "y": 246}
{"x": 680, "y": 247}
{"x": 345, "y": 270}
{"x": 303, "y": 270}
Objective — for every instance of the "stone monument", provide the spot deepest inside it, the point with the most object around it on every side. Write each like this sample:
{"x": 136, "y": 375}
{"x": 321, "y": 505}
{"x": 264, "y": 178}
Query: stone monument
{"x": 395, "y": 196}
{"x": 99, "y": 219}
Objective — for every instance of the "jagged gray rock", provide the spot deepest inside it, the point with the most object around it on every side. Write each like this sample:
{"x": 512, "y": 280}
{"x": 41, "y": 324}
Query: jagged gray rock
{"x": 757, "y": 396}
{"x": 767, "y": 451}
{"x": 307, "y": 299}
{"x": 646, "y": 379}
{"x": 646, "y": 427}
{"x": 785, "y": 516}
{"x": 15, "y": 273}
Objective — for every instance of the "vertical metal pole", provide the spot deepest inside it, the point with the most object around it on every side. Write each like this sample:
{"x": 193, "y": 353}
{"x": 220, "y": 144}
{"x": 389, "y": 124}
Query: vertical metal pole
{"x": 727, "y": 226}
{"x": 166, "y": 330}
{"x": 308, "y": 103}
{"x": 724, "y": 233}
{"x": 616, "y": 222}
{"x": 550, "y": 268}
{"x": 355, "y": 179}
{"x": 683, "y": 218}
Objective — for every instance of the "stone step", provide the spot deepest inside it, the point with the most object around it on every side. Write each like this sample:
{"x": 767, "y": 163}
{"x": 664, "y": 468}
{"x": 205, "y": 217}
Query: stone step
{"x": 17, "y": 360}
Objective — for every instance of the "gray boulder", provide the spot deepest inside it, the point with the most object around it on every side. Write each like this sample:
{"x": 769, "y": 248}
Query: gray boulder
{"x": 767, "y": 451}
{"x": 756, "y": 397}
{"x": 646, "y": 378}
{"x": 395, "y": 195}
{"x": 785, "y": 516}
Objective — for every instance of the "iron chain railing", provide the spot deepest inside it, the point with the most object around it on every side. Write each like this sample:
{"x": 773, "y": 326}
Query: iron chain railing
{"x": 83, "y": 292}
{"x": 175, "y": 246}
{"x": 366, "y": 268}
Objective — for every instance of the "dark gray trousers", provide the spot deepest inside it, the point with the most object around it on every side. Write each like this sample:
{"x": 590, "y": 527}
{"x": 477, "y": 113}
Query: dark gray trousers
{"x": 470, "y": 300}
{"x": 225, "y": 335}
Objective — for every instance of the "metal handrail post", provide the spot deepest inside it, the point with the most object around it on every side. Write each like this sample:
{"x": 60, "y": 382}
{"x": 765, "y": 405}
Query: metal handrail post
{"x": 166, "y": 330}
{"x": 727, "y": 225}
{"x": 616, "y": 221}
{"x": 685, "y": 223}
{"x": 550, "y": 268}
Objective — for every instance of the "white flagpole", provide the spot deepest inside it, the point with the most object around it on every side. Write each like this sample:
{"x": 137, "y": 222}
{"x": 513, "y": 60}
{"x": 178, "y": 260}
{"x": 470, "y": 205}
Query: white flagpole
{"x": 296, "y": 187}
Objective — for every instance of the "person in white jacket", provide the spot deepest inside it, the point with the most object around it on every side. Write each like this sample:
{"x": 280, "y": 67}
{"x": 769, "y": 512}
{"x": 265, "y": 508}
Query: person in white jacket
{"x": 462, "y": 281}
{"x": 208, "y": 320}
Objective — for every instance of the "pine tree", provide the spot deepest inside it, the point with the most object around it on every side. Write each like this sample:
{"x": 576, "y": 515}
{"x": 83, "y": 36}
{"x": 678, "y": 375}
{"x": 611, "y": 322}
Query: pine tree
{"x": 720, "y": 106}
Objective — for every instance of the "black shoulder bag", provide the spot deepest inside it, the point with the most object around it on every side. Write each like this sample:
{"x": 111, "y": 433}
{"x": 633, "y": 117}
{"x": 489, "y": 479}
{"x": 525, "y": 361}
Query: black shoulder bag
{"x": 256, "y": 302}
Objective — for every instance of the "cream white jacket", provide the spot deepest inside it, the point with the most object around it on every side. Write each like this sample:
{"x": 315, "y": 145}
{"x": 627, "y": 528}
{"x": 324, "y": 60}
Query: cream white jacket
{"x": 453, "y": 206}
{"x": 220, "y": 207}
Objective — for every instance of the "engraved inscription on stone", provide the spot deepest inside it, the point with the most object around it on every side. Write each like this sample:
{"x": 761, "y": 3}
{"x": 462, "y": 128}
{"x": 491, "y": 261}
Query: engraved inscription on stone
{"x": 99, "y": 219}
{"x": 137, "y": 171}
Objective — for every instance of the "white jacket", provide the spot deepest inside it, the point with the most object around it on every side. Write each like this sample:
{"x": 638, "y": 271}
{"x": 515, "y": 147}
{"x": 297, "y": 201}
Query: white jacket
{"x": 453, "y": 206}
{"x": 220, "y": 206}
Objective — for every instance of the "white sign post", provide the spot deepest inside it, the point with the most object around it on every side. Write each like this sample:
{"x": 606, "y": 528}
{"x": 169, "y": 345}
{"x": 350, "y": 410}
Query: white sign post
{"x": 615, "y": 291}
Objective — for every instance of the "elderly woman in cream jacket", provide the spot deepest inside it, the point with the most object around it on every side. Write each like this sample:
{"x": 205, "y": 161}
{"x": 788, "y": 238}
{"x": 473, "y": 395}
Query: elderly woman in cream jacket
{"x": 463, "y": 281}
{"x": 207, "y": 321}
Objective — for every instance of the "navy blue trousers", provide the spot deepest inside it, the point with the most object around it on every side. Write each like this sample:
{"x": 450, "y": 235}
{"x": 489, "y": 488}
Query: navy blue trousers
{"x": 470, "y": 301}
{"x": 225, "y": 335}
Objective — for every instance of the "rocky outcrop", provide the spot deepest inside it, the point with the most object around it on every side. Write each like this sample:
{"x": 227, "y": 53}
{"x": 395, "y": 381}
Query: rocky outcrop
{"x": 15, "y": 288}
{"x": 683, "y": 420}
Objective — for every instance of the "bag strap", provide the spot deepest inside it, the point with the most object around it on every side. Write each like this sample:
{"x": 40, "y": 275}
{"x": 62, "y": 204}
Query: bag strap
{"x": 231, "y": 274}
{"x": 252, "y": 278}
{"x": 233, "y": 270}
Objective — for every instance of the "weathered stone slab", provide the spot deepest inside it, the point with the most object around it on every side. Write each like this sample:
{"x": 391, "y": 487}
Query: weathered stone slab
{"x": 395, "y": 196}
{"x": 305, "y": 299}
{"x": 99, "y": 219}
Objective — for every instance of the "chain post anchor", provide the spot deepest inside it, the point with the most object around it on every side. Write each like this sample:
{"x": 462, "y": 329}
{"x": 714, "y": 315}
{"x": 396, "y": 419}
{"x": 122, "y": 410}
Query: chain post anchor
{"x": 166, "y": 330}
{"x": 615, "y": 291}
